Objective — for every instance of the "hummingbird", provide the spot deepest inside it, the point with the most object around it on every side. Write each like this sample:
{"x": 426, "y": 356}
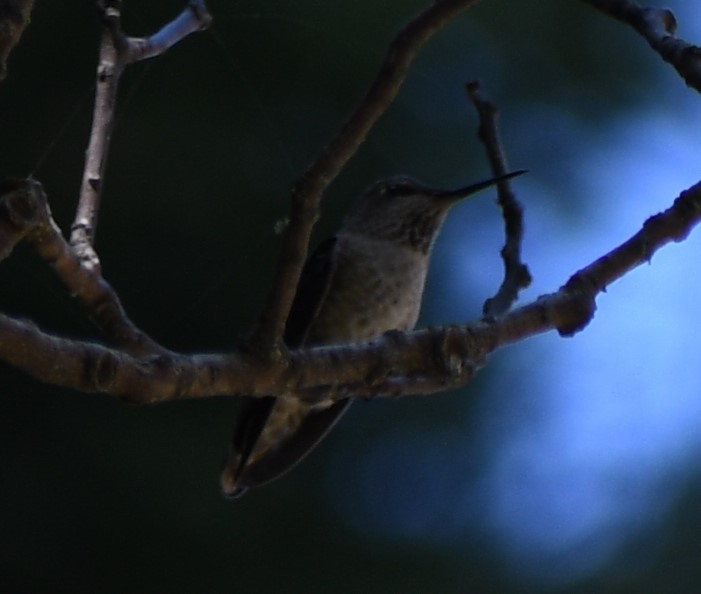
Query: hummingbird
{"x": 366, "y": 280}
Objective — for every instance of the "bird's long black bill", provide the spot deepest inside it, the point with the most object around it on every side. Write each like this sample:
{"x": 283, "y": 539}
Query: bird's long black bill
{"x": 474, "y": 188}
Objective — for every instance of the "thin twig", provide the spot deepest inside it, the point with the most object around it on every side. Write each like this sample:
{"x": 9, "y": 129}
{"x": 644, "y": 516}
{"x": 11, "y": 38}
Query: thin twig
{"x": 516, "y": 274}
{"x": 116, "y": 52}
{"x": 194, "y": 18}
{"x": 85, "y": 222}
{"x": 658, "y": 26}
{"x": 307, "y": 192}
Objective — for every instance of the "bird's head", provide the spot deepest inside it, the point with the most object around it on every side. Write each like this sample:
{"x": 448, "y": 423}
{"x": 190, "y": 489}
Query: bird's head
{"x": 404, "y": 210}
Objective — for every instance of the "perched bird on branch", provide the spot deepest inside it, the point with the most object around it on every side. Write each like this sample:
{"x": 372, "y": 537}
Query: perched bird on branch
{"x": 354, "y": 287}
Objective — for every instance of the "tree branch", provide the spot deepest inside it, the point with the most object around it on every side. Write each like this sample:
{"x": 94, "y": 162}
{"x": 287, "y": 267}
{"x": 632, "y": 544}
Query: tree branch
{"x": 307, "y": 192}
{"x": 425, "y": 361}
{"x": 516, "y": 273}
{"x": 658, "y": 26}
{"x": 116, "y": 52}
{"x": 194, "y": 18}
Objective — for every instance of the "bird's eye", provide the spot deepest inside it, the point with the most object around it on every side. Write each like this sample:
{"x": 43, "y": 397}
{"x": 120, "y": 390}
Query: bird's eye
{"x": 396, "y": 189}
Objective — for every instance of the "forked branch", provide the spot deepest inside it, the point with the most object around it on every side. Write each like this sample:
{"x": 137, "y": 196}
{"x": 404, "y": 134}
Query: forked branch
{"x": 116, "y": 52}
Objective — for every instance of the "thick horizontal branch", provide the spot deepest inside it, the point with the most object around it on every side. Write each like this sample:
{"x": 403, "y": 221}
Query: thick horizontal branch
{"x": 425, "y": 361}
{"x": 658, "y": 26}
{"x": 450, "y": 355}
{"x": 306, "y": 194}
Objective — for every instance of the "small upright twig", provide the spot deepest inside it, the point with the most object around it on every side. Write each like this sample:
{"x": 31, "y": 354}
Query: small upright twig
{"x": 108, "y": 72}
{"x": 116, "y": 52}
{"x": 307, "y": 192}
{"x": 516, "y": 274}
{"x": 658, "y": 26}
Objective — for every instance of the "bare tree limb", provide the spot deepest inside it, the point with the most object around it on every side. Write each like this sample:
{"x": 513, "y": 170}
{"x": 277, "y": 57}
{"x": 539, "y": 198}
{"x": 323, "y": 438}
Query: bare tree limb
{"x": 658, "y": 26}
{"x": 116, "y": 52}
{"x": 194, "y": 18}
{"x": 516, "y": 274}
{"x": 109, "y": 70}
{"x": 26, "y": 215}
{"x": 88, "y": 286}
{"x": 397, "y": 364}
{"x": 307, "y": 192}
{"x": 77, "y": 264}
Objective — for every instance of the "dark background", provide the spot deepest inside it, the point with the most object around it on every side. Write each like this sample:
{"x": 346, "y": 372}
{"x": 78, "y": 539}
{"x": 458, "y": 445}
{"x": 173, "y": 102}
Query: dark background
{"x": 97, "y": 496}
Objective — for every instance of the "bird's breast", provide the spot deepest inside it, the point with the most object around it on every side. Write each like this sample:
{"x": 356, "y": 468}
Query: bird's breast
{"x": 376, "y": 286}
